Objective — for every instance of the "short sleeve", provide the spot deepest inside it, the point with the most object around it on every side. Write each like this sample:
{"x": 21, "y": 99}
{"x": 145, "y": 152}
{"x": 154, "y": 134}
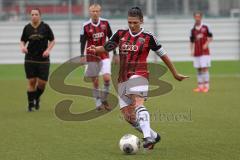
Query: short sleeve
{"x": 209, "y": 32}
{"x": 109, "y": 34}
{"x": 192, "y": 38}
{"x": 50, "y": 33}
{"x": 155, "y": 45}
{"x": 113, "y": 42}
{"x": 24, "y": 35}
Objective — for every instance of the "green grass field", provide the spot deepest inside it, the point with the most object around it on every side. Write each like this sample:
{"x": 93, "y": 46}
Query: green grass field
{"x": 194, "y": 126}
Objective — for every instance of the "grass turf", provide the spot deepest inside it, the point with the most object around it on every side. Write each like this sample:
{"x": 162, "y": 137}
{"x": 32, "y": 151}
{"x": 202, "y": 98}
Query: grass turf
{"x": 193, "y": 126}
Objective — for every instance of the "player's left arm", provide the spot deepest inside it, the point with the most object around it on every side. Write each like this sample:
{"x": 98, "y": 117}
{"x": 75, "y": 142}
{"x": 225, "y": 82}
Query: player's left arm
{"x": 51, "y": 43}
{"x": 108, "y": 46}
{"x": 209, "y": 38}
{"x": 157, "y": 47}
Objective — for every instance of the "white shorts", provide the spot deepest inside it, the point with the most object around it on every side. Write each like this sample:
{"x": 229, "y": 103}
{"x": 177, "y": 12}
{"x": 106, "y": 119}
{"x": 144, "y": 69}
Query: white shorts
{"x": 136, "y": 84}
{"x": 95, "y": 69}
{"x": 202, "y": 61}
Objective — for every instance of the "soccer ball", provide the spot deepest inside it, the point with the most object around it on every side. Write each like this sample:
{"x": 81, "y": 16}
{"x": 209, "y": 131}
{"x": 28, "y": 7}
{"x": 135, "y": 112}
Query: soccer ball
{"x": 129, "y": 144}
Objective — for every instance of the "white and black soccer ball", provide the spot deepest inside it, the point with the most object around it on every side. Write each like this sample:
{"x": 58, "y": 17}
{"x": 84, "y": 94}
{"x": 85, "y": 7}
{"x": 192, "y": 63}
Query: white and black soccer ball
{"x": 129, "y": 144}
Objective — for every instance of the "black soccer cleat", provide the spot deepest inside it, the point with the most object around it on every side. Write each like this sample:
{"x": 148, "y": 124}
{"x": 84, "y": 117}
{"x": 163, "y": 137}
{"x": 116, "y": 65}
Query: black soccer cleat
{"x": 37, "y": 106}
{"x": 30, "y": 108}
{"x": 106, "y": 105}
{"x": 158, "y": 138}
{"x": 148, "y": 143}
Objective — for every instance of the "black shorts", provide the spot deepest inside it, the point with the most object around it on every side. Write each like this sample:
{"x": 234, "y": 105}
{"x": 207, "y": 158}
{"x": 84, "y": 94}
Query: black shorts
{"x": 37, "y": 70}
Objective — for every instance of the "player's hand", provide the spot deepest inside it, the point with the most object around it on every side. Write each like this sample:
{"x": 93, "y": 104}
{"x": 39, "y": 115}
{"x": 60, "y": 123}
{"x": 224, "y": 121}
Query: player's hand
{"x": 116, "y": 59}
{"x": 24, "y": 50}
{"x": 46, "y": 53}
{"x": 205, "y": 46}
{"x": 92, "y": 49}
{"x": 192, "y": 53}
{"x": 83, "y": 59}
{"x": 180, "y": 77}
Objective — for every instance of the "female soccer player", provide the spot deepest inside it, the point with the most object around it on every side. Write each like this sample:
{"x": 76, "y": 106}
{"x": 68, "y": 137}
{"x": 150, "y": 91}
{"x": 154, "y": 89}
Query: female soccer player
{"x": 134, "y": 46}
{"x": 37, "y": 41}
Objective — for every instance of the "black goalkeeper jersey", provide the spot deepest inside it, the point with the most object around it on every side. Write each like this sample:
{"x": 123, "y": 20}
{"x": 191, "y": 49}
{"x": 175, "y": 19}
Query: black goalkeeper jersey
{"x": 37, "y": 39}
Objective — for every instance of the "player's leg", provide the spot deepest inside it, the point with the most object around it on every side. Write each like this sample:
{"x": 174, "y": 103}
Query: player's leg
{"x": 197, "y": 65}
{"x": 143, "y": 122}
{"x": 31, "y": 92}
{"x": 92, "y": 72}
{"x": 131, "y": 103}
{"x": 30, "y": 71}
{"x": 206, "y": 63}
{"x": 42, "y": 74}
{"x": 206, "y": 77}
{"x": 106, "y": 72}
{"x": 96, "y": 93}
{"x": 41, "y": 85}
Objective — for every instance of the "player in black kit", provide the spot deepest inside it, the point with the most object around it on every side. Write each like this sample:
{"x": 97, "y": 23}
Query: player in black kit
{"x": 37, "y": 40}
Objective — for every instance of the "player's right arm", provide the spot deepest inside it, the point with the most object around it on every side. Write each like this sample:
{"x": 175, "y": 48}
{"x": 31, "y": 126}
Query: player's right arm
{"x": 192, "y": 39}
{"x": 83, "y": 41}
{"x": 23, "y": 41}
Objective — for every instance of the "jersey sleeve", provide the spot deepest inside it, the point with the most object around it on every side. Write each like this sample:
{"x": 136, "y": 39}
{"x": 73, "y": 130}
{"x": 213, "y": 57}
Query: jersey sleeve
{"x": 155, "y": 45}
{"x": 112, "y": 43}
{"x": 24, "y": 35}
{"x": 192, "y": 38}
{"x": 109, "y": 34}
{"x": 50, "y": 33}
{"x": 209, "y": 32}
{"x": 83, "y": 40}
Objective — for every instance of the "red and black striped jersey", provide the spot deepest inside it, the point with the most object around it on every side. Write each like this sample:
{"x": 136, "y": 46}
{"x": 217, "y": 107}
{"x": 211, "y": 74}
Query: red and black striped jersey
{"x": 133, "y": 51}
{"x": 199, "y": 36}
{"x": 95, "y": 34}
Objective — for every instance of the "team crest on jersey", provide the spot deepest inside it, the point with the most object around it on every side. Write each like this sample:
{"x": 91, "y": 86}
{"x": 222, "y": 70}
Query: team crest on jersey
{"x": 122, "y": 39}
{"x": 203, "y": 29}
{"x": 103, "y": 26}
{"x": 90, "y": 30}
{"x": 141, "y": 40}
{"x": 199, "y": 36}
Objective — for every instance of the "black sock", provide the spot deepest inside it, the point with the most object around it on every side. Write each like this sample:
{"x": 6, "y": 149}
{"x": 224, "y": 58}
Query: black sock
{"x": 39, "y": 92}
{"x": 31, "y": 97}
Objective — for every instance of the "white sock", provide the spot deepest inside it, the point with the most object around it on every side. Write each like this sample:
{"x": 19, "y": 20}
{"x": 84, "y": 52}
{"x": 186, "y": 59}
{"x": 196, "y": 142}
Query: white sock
{"x": 152, "y": 132}
{"x": 143, "y": 119}
{"x": 105, "y": 91}
{"x": 200, "y": 79}
{"x": 206, "y": 78}
{"x": 96, "y": 95}
{"x": 98, "y": 102}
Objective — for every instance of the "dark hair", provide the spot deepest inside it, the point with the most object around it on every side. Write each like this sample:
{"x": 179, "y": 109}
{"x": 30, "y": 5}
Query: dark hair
{"x": 198, "y": 12}
{"x": 37, "y": 9}
{"x": 135, "y": 12}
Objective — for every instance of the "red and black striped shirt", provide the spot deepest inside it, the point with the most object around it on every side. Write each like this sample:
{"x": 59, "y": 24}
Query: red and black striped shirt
{"x": 133, "y": 51}
{"x": 199, "y": 36}
{"x": 95, "y": 34}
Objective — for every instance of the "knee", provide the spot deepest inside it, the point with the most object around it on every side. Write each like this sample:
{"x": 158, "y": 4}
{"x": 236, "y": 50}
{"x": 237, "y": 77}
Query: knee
{"x": 137, "y": 101}
{"x": 95, "y": 83}
{"x": 41, "y": 84}
{"x": 106, "y": 78}
{"x": 32, "y": 84}
{"x": 129, "y": 114}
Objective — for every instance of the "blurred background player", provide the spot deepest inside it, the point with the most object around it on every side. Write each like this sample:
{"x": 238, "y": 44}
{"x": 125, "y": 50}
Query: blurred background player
{"x": 134, "y": 46}
{"x": 200, "y": 38}
{"x": 37, "y": 41}
{"x": 95, "y": 32}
